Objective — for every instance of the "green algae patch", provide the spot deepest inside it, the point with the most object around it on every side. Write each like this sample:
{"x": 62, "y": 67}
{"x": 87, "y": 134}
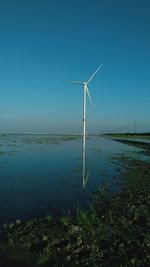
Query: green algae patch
{"x": 49, "y": 139}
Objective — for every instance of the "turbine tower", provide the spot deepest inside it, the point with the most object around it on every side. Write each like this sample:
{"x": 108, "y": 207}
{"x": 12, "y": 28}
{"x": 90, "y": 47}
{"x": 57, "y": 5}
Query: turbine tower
{"x": 85, "y": 91}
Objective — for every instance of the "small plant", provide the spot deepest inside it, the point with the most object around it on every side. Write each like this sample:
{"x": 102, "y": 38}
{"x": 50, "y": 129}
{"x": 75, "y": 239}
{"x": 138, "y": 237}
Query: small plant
{"x": 65, "y": 220}
{"x": 49, "y": 218}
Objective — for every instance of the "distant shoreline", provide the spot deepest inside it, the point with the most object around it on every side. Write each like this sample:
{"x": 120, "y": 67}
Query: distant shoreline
{"x": 51, "y": 134}
{"x": 134, "y": 135}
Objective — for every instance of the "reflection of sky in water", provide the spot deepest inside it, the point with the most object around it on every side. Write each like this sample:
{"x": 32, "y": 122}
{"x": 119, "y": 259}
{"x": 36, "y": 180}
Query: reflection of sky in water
{"x": 36, "y": 179}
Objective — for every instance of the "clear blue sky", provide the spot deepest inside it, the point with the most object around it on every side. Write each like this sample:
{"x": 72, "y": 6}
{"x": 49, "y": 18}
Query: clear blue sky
{"x": 43, "y": 42}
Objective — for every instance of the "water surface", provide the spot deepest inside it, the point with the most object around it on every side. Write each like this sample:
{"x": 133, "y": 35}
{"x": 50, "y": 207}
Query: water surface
{"x": 42, "y": 174}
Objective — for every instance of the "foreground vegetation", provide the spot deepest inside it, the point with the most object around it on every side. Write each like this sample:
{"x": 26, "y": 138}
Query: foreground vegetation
{"x": 115, "y": 231}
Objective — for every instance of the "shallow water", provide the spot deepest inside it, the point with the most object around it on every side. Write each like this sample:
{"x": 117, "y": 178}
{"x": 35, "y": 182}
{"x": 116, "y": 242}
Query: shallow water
{"x": 144, "y": 140}
{"x": 43, "y": 174}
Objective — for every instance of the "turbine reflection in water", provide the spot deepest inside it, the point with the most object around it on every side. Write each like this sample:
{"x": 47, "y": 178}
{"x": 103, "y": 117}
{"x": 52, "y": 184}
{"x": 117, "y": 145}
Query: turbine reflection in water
{"x": 85, "y": 175}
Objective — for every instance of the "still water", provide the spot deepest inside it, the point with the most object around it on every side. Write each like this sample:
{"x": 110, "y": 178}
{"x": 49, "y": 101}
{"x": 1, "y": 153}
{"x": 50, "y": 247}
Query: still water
{"x": 41, "y": 174}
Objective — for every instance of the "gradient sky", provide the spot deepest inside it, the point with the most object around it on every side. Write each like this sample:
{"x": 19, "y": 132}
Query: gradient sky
{"x": 43, "y": 42}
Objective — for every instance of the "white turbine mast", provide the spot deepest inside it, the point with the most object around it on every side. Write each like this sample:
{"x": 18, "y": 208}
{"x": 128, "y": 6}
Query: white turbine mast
{"x": 85, "y": 91}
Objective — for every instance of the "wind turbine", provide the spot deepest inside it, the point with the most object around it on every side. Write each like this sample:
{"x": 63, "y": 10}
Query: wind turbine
{"x": 85, "y": 91}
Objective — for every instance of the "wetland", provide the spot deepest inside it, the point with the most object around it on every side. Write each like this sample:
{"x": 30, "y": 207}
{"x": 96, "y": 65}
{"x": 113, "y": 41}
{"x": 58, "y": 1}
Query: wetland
{"x": 48, "y": 218}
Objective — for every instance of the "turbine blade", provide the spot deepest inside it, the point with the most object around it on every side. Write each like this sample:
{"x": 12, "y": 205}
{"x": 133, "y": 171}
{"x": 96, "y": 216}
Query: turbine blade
{"x": 88, "y": 93}
{"x": 73, "y": 82}
{"x": 94, "y": 74}
{"x": 86, "y": 179}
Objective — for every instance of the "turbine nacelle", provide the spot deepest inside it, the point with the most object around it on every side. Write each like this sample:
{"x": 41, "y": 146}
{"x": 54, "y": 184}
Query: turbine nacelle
{"x": 85, "y": 84}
